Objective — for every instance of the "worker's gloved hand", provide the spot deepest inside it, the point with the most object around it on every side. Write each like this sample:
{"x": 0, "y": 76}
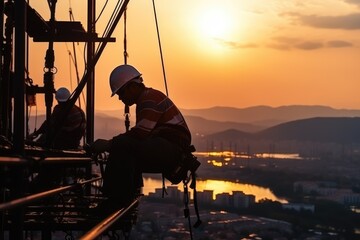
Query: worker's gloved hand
{"x": 100, "y": 145}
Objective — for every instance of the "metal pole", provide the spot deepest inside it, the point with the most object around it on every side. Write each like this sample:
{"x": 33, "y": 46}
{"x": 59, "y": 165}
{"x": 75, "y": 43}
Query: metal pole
{"x": 28, "y": 199}
{"x": 108, "y": 222}
{"x": 2, "y": 80}
{"x": 6, "y": 60}
{"x": 17, "y": 226}
{"x": 19, "y": 81}
{"x": 49, "y": 73}
{"x": 90, "y": 94}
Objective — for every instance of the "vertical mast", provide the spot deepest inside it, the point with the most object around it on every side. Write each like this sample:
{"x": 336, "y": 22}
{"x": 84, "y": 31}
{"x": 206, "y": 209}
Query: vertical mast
{"x": 90, "y": 93}
{"x": 19, "y": 105}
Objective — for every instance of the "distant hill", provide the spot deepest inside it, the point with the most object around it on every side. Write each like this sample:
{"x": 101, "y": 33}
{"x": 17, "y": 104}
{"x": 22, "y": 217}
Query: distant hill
{"x": 107, "y": 127}
{"x": 230, "y": 135}
{"x": 218, "y": 119}
{"x": 265, "y": 116}
{"x": 199, "y": 125}
{"x": 336, "y": 130}
{"x": 251, "y": 119}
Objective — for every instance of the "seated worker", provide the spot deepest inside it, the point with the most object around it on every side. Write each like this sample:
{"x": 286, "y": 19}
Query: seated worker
{"x": 155, "y": 144}
{"x": 68, "y": 137}
{"x": 71, "y": 131}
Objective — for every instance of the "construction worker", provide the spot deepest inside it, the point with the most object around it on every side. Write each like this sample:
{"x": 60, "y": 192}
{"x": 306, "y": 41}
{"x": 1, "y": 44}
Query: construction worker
{"x": 72, "y": 129}
{"x": 154, "y": 145}
{"x": 68, "y": 137}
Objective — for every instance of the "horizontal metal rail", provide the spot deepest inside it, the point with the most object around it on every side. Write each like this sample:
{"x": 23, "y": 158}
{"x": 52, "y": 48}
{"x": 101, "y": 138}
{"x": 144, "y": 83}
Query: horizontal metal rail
{"x": 108, "y": 222}
{"x": 34, "y": 197}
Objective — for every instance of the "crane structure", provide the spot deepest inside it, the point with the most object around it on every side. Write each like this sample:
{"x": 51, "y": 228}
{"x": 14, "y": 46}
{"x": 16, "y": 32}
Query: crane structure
{"x": 26, "y": 208}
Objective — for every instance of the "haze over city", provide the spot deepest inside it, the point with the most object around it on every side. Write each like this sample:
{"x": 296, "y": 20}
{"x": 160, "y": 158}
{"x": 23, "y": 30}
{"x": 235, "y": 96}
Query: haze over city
{"x": 224, "y": 53}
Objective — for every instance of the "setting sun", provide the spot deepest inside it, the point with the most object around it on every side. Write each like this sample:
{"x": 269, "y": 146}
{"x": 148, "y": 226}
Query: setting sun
{"x": 215, "y": 23}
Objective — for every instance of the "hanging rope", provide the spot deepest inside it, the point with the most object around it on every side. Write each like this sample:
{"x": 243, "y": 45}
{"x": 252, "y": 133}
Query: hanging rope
{"x": 113, "y": 19}
{"x": 127, "y": 108}
{"x": 161, "y": 54}
{"x": 74, "y": 57}
{"x": 125, "y": 53}
{"x": 125, "y": 39}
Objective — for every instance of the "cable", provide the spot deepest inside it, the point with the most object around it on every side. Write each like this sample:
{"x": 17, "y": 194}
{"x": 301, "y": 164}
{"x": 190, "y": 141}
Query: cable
{"x": 74, "y": 58}
{"x": 102, "y": 10}
{"x": 161, "y": 54}
{"x": 125, "y": 38}
{"x": 127, "y": 108}
{"x": 112, "y": 19}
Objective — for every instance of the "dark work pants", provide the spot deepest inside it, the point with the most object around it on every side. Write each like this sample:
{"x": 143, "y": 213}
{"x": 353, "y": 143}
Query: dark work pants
{"x": 130, "y": 157}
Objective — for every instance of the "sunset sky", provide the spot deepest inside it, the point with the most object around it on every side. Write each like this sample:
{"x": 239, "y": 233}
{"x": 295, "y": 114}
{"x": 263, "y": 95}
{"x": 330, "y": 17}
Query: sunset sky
{"x": 236, "y": 53}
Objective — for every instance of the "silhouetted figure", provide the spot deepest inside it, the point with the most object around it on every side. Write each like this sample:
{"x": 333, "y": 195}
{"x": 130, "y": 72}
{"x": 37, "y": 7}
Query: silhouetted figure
{"x": 155, "y": 144}
{"x": 72, "y": 129}
{"x": 67, "y": 137}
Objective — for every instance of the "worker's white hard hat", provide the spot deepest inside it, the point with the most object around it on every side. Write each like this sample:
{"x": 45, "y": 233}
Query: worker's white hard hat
{"x": 62, "y": 94}
{"x": 121, "y": 75}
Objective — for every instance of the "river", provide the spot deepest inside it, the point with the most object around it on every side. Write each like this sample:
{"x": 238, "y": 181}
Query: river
{"x": 218, "y": 186}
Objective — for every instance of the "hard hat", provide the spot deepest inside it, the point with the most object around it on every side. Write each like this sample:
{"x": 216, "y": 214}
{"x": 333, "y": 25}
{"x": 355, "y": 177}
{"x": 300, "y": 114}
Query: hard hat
{"x": 121, "y": 75}
{"x": 62, "y": 94}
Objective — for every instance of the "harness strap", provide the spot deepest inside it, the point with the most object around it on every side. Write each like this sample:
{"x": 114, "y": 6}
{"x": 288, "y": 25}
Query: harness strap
{"x": 163, "y": 187}
{"x": 186, "y": 203}
{"x": 193, "y": 186}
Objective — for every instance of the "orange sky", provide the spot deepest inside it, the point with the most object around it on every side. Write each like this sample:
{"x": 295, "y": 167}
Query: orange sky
{"x": 226, "y": 53}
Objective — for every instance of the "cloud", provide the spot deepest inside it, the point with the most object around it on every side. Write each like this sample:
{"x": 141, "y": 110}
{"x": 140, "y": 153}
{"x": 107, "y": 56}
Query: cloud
{"x": 236, "y": 45}
{"x": 338, "y": 44}
{"x": 355, "y": 2}
{"x": 287, "y": 43}
{"x": 346, "y": 22}
{"x": 286, "y": 40}
{"x": 309, "y": 45}
{"x": 283, "y": 43}
{"x": 279, "y": 46}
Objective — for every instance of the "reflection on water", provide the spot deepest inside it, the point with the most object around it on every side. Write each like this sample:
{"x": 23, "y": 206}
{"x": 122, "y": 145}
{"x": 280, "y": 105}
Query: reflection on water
{"x": 218, "y": 186}
{"x": 355, "y": 209}
{"x": 228, "y": 155}
{"x": 292, "y": 156}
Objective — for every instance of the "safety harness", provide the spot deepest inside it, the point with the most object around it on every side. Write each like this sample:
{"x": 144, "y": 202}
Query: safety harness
{"x": 185, "y": 172}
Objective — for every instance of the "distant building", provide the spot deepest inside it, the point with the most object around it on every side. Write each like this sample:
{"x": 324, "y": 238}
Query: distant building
{"x": 205, "y": 197}
{"x": 315, "y": 187}
{"x": 242, "y": 200}
{"x": 171, "y": 192}
{"x": 328, "y": 191}
{"x": 174, "y": 193}
{"x": 299, "y": 207}
{"x": 223, "y": 199}
{"x": 238, "y": 199}
{"x": 343, "y": 196}
{"x": 351, "y": 198}
{"x": 157, "y": 194}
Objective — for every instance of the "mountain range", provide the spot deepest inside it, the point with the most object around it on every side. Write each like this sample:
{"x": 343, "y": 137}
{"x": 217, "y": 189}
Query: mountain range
{"x": 342, "y": 130}
{"x": 319, "y": 123}
{"x": 292, "y": 128}
{"x": 269, "y": 116}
